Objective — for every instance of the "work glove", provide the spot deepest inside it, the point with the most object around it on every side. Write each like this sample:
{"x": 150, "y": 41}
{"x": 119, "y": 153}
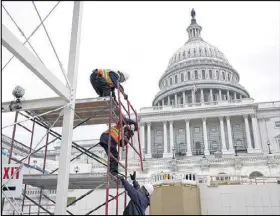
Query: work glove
{"x": 125, "y": 96}
{"x": 120, "y": 177}
{"x": 136, "y": 127}
{"x": 133, "y": 177}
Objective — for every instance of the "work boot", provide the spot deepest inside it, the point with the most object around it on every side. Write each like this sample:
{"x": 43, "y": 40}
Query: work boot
{"x": 114, "y": 172}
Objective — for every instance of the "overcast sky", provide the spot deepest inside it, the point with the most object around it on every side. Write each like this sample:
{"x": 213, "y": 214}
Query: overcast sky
{"x": 140, "y": 38}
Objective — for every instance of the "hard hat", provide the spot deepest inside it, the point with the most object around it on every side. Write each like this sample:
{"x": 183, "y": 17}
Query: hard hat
{"x": 149, "y": 188}
{"x": 123, "y": 76}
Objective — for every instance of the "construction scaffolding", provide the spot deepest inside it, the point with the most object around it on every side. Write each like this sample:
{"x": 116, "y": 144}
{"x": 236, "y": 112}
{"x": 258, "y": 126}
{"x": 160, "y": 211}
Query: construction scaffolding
{"x": 89, "y": 112}
{"x": 48, "y": 112}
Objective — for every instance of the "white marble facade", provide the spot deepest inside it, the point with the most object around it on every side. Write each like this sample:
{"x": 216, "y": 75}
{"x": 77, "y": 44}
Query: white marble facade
{"x": 194, "y": 131}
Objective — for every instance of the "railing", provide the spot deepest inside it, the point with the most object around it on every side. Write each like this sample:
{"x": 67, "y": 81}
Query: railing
{"x": 205, "y": 104}
{"x": 269, "y": 104}
{"x": 171, "y": 177}
{"x": 197, "y": 81}
{"x": 225, "y": 179}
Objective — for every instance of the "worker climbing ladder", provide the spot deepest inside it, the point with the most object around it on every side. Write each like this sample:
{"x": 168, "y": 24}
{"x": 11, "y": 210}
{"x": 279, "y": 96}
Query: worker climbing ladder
{"x": 127, "y": 110}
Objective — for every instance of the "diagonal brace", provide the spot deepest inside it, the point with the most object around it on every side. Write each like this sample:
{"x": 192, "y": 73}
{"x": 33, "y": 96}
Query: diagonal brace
{"x": 10, "y": 41}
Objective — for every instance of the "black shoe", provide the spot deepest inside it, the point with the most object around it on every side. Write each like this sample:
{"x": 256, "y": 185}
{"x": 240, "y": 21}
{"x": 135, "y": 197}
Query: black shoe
{"x": 114, "y": 173}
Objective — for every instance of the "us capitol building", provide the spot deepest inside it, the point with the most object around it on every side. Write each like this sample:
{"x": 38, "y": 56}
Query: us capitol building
{"x": 202, "y": 117}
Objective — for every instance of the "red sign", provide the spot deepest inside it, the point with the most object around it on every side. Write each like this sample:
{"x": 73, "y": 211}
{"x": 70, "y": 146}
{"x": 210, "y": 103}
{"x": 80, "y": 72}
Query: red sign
{"x": 11, "y": 173}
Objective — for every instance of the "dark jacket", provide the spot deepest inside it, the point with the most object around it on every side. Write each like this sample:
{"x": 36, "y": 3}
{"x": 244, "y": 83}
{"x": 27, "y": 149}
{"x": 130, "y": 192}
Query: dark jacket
{"x": 115, "y": 79}
{"x": 138, "y": 201}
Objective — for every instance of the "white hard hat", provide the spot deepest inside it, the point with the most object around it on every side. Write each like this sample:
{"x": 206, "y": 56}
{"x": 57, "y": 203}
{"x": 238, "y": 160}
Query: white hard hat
{"x": 149, "y": 188}
{"x": 123, "y": 76}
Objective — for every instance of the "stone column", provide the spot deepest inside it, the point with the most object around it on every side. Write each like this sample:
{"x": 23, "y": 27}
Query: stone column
{"x": 211, "y": 95}
{"x": 255, "y": 132}
{"x": 176, "y": 100}
{"x": 168, "y": 100}
{"x": 223, "y": 138}
{"x": 188, "y": 137}
{"x": 184, "y": 97}
{"x": 149, "y": 146}
{"x": 165, "y": 136}
{"x": 228, "y": 98}
{"x": 142, "y": 136}
{"x": 220, "y": 94}
{"x": 248, "y": 135}
{"x": 230, "y": 141}
{"x": 165, "y": 153}
{"x": 171, "y": 135}
{"x": 201, "y": 96}
{"x": 235, "y": 96}
{"x": 267, "y": 135}
{"x": 193, "y": 97}
{"x": 206, "y": 149}
{"x": 162, "y": 101}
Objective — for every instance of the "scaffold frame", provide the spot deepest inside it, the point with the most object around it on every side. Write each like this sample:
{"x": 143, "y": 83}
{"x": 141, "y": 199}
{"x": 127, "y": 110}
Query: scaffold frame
{"x": 66, "y": 104}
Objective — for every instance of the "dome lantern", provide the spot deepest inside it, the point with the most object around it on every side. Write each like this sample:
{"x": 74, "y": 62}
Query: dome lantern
{"x": 194, "y": 29}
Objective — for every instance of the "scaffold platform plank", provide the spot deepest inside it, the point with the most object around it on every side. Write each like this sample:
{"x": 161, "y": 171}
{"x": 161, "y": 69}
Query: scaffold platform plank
{"x": 76, "y": 181}
{"x": 97, "y": 108}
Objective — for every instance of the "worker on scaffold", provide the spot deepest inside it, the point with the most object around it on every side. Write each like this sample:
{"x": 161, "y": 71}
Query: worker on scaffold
{"x": 115, "y": 137}
{"x": 139, "y": 196}
{"x": 105, "y": 81}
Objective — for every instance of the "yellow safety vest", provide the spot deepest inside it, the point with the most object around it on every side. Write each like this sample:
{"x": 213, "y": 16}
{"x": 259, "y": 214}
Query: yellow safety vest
{"x": 115, "y": 132}
{"x": 105, "y": 74}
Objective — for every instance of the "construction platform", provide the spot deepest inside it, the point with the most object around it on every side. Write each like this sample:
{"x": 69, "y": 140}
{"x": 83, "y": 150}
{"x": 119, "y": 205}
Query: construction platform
{"x": 76, "y": 181}
{"x": 97, "y": 109}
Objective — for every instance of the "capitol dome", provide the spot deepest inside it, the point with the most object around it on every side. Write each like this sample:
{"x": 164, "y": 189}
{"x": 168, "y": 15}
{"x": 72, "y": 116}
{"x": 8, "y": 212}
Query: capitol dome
{"x": 198, "y": 73}
{"x": 197, "y": 49}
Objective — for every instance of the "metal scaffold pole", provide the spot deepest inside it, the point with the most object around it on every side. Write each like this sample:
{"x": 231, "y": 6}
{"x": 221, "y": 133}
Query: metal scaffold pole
{"x": 10, "y": 156}
{"x": 67, "y": 129}
{"x": 28, "y": 162}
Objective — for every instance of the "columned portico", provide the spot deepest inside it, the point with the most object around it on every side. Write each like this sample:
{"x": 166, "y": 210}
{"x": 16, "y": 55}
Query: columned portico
{"x": 167, "y": 153}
